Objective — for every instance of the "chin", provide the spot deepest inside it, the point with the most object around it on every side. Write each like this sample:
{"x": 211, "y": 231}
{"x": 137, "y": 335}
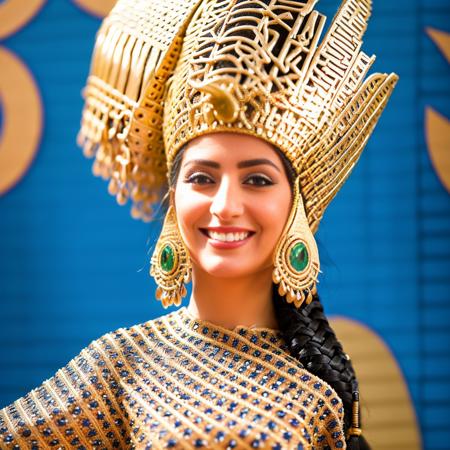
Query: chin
{"x": 220, "y": 268}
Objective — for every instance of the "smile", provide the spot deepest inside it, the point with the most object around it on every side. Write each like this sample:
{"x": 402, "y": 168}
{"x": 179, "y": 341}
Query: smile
{"x": 227, "y": 237}
{"x": 227, "y": 240}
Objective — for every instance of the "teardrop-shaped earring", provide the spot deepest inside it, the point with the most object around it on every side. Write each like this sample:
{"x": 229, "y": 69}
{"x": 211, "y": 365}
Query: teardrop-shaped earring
{"x": 170, "y": 264}
{"x": 296, "y": 258}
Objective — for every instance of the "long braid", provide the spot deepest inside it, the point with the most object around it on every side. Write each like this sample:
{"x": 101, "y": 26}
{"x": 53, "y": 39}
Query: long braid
{"x": 313, "y": 342}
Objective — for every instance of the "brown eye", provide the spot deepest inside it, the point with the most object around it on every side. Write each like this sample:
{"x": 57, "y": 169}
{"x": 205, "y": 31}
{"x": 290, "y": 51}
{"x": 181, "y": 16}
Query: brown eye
{"x": 259, "y": 180}
{"x": 198, "y": 178}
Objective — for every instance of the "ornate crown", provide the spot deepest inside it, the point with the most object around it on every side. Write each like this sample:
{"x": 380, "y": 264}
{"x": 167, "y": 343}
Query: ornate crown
{"x": 163, "y": 74}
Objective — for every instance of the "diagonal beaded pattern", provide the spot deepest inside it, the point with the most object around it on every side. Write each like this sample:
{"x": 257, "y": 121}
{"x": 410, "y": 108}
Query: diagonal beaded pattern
{"x": 166, "y": 72}
{"x": 178, "y": 382}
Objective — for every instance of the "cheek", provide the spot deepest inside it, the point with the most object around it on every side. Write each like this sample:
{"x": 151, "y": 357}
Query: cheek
{"x": 272, "y": 214}
{"x": 189, "y": 207}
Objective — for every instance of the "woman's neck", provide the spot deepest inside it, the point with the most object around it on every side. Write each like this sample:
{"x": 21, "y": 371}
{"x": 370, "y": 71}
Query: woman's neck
{"x": 229, "y": 302}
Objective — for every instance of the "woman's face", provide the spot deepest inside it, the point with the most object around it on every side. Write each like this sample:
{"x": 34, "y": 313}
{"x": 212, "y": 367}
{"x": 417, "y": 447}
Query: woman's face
{"x": 231, "y": 184}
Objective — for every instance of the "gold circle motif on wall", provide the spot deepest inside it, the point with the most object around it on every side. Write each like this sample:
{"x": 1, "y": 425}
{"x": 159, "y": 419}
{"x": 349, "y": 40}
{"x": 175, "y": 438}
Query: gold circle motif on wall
{"x": 99, "y": 8}
{"x": 22, "y": 119}
{"x": 14, "y": 14}
{"x": 437, "y": 126}
{"x": 388, "y": 417}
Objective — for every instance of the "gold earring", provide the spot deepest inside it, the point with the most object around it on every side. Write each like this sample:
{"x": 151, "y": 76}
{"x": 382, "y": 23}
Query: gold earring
{"x": 170, "y": 264}
{"x": 296, "y": 260}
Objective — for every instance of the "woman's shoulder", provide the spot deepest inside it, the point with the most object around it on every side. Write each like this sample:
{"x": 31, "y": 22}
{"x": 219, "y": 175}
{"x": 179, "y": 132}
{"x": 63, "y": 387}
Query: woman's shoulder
{"x": 129, "y": 339}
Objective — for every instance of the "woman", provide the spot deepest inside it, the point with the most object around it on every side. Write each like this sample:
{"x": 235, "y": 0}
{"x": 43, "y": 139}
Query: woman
{"x": 255, "y": 127}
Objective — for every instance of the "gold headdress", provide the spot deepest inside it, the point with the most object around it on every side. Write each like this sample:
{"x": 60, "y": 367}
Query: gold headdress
{"x": 313, "y": 102}
{"x": 166, "y": 72}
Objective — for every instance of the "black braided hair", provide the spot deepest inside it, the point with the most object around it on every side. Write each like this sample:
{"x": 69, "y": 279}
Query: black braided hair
{"x": 313, "y": 342}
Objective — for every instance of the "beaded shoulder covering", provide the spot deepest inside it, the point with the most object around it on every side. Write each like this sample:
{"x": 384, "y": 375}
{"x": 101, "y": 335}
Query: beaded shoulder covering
{"x": 178, "y": 382}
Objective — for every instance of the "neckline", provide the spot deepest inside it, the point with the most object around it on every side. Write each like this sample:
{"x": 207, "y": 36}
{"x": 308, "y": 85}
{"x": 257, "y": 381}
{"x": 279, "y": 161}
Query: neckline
{"x": 194, "y": 321}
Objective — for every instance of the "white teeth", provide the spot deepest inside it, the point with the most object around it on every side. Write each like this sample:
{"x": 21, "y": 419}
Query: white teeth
{"x": 228, "y": 237}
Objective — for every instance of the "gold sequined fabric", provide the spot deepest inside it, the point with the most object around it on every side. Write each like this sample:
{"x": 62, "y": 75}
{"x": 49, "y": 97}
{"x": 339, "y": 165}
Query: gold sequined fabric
{"x": 178, "y": 382}
{"x": 245, "y": 66}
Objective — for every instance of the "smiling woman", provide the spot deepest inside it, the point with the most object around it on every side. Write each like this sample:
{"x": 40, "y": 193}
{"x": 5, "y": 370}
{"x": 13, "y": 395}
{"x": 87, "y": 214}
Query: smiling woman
{"x": 250, "y": 127}
{"x": 244, "y": 190}
{"x": 252, "y": 198}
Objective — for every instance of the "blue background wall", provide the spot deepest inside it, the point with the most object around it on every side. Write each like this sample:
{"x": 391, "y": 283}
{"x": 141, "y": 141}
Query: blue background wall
{"x": 74, "y": 265}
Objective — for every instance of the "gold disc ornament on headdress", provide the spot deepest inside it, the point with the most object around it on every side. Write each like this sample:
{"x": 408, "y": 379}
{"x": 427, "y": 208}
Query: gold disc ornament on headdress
{"x": 165, "y": 72}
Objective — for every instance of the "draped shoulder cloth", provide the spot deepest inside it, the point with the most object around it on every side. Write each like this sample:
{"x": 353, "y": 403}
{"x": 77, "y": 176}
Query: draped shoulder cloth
{"x": 165, "y": 72}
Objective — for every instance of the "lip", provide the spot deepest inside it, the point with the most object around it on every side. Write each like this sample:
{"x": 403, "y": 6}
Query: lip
{"x": 226, "y": 245}
{"x": 227, "y": 229}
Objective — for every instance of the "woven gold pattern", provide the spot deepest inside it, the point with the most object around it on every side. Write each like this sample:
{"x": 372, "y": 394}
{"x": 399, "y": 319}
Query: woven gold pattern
{"x": 253, "y": 67}
{"x": 178, "y": 382}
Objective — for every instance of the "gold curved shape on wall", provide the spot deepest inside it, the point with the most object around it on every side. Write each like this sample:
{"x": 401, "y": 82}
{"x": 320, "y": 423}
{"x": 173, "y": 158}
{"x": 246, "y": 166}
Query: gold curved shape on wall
{"x": 437, "y": 127}
{"x": 14, "y": 14}
{"x": 442, "y": 40}
{"x": 437, "y": 131}
{"x": 99, "y": 8}
{"x": 389, "y": 419}
{"x": 22, "y": 119}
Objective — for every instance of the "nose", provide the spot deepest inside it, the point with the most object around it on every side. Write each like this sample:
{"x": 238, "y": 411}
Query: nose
{"x": 227, "y": 202}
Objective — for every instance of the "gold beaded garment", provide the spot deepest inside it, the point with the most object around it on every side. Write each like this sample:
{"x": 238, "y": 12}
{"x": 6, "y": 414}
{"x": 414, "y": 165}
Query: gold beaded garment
{"x": 165, "y": 72}
{"x": 178, "y": 382}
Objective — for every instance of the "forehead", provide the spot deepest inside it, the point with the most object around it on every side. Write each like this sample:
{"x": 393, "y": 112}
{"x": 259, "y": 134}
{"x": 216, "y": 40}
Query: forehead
{"x": 229, "y": 147}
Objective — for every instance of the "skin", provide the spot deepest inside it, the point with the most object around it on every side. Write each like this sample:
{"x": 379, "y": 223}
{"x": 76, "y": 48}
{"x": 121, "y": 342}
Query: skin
{"x": 232, "y": 287}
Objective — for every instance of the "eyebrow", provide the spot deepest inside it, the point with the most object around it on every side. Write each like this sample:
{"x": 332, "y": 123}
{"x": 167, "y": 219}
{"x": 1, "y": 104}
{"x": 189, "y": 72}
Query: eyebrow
{"x": 240, "y": 165}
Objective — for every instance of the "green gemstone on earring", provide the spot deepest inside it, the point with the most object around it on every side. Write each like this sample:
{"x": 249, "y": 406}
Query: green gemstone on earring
{"x": 299, "y": 257}
{"x": 167, "y": 259}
